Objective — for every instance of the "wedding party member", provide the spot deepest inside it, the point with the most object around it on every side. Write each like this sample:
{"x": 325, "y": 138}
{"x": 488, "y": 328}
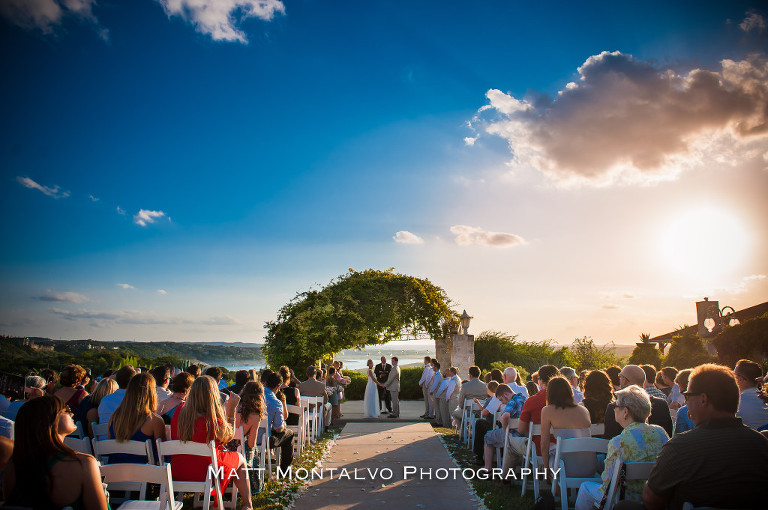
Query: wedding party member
{"x": 70, "y": 379}
{"x": 135, "y": 418}
{"x": 392, "y": 385}
{"x": 473, "y": 388}
{"x": 753, "y": 411}
{"x": 437, "y": 379}
{"x": 440, "y": 402}
{"x": 638, "y": 442}
{"x": 598, "y": 393}
{"x": 452, "y": 396}
{"x": 382, "y": 371}
{"x": 633, "y": 374}
{"x": 566, "y": 420}
{"x": 426, "y": 375}
{"x": 202, "y": 419}
{"x": 370, "y": 398}
{"x": 280, "y": 435}
{"x": 45, "y": 473}
{"x": 314, "y": 388}
{"x": 179, "y": 387}
{"x": 719, "y": 463}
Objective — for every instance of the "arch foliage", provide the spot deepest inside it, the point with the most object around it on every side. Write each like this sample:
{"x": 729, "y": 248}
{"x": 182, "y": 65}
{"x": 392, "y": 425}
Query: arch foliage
{"x": 355, "y": 310}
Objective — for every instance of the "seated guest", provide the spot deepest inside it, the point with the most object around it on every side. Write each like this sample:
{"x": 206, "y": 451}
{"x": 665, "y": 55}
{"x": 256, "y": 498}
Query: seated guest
{"x": 566, "y": 419}
{"x": 570, "y": 376}
{"x": 598, "y": 393}
{"x": 88, "y": 410}
{"x": 515, "y": 447}
{"x": 675, "y": 398}
{"x": 70, "y": 379}
{"x": 314, "y": 388}
{"x": 638, "y": 442}
{"x": 44, "y": 472}
{"x": 633, "y": 374}
{"x": 135, "y": 419}
{"x": 682, "y": 421}
{"x": 753, "y": 411}
{"x": 513, "y": 406}
{"x": 650, "y": 379}
{"x": 473, "y": 388}
{"x": 194, "y": 370}
{"x": 179, "y": 390}
{"x": 484, "y": 421}
{"x": 241, "y": 378}
{"x": 512, "y": 379}
{"x": 6, "y": 427}
{"x": 613, "y": 373}
{"x": 110, "y": 402}
{"x": 292, "y": 395}
{"x": 721, "y": 463}
{"x": 202, "y": 419}
{"x": 162, "y": 377}
{"x": 51, "y": 377}
{"x": 34, "y": 386}
{"x": 532, "y": 388}
{"x": 662, "y": 386}
{"x": 280, "y": 435}
{"x": 250, "y": 412}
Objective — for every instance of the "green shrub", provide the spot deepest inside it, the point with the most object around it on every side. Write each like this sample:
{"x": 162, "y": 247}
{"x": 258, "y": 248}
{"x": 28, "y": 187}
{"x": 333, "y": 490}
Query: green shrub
{"x": 646, "y": 354}
{"x": 583, "y": 354}
{"x": 744, "y": 341}
{"x": 494, "y": 346}
{"x": 687, "y": 351}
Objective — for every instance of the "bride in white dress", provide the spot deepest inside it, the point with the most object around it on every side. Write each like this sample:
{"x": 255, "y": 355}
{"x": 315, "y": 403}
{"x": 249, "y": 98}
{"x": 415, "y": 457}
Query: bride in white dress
{"x": 371, "y": 398}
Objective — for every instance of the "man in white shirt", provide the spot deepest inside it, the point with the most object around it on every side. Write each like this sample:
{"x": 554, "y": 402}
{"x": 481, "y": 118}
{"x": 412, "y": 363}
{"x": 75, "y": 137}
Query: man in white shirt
{"x": 440, "y": 402}
{"x": 110, "y": 402}
{"x": 570, "y": 374}
{"x": 162, "y": 377}
{"x": 436, "y": 380}
{"x": 451, "y": 396}
{"x": 426, "y": 375}
{"x": 752, "y": 410}
{"x": 510, "y": 379}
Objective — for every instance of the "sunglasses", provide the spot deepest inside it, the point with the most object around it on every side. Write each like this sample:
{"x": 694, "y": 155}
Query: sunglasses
{"x": 689, "y": 394}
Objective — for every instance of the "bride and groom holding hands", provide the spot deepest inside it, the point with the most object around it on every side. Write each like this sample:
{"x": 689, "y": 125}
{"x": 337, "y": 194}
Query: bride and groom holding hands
{"x": 383, "y": 387}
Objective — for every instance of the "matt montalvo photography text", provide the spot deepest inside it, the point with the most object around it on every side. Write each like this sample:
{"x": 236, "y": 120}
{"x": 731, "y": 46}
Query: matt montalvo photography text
{"x": 408, "y": 472}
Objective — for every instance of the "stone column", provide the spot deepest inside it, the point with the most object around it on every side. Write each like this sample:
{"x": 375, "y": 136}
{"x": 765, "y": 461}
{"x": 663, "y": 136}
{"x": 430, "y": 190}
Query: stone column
{"x": 463, "y": 355}
{"x": 443, "y": 348}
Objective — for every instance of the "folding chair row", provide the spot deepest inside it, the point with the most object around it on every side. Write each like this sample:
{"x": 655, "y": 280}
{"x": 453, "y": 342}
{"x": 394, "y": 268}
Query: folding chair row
{"x": 566, "y": 450}
{"x": 114, "y": 474}
{"x": 633, "y": 471}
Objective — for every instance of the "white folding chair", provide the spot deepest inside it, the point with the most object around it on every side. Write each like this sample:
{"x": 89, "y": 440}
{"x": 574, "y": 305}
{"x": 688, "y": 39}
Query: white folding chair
{"x": 100, "y": 431}
{"x": 313, "y": 417}
{"x": 634, "y": 471}
{"x": 264, "y": 449}
{"x": 597, "y": 430}
{"x": 466, "y": 415}
{"x": 201, "y": 488}
{"x": 103, "y": 449}
{"x": 298, "y": 429}
{"x": 512, "y": 424}
{"x": 570, "y": 446}
{"x": 145, "y": 473}
{"x": 531, "y": 459}
{"x": 305, "y": 419}
{"x": 320, "y": 416}
{"x": 79, "y": 445}
{"x": 78, "y": 433}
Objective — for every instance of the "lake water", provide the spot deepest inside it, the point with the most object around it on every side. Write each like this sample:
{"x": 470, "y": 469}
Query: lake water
{"x": 350, "y": 363}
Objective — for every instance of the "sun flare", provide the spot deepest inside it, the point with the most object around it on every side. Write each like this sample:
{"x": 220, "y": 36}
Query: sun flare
{"x": 706, "y": 243}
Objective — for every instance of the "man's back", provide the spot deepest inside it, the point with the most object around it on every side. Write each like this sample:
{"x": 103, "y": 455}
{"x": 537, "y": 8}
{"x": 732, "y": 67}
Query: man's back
{"x": 720, "y": 463}
{"x": 312, "y": 388}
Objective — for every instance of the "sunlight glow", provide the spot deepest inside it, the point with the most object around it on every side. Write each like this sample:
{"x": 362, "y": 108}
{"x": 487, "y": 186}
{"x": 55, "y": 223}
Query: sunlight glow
{"x": 706, "y": 243}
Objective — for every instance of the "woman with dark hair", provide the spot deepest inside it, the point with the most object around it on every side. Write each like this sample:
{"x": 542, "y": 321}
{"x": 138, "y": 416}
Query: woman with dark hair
{"x": 135, "y": 418}
{"x": 613, "y": 373}
{"x": 179, "y": 389}
{"x": 291, "y": 394}
{"x": 532, "y": 388}
{"x": 70, "y": 379}
{"x": 333, "y": 397}
{"x": 251, "y": 410}
{"x": 753, "y": 410}
{"x": 43, "y": 472}
{"x": 566, "y": 418}
{"x": 497, "y": 376}
{"x": 598, "y": 393}
{"x": 88, "y": 410}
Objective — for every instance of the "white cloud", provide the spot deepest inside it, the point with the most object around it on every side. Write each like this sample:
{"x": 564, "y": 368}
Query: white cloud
{"x": 612, "y": 294}
{"x": 120, "y": 211}
{"x": 466, "y": 235}
{"x": 221, "y": 18}
{"x": 93, "y": 199}
{"x": 145, "y": 217}
{"x": 46, "y": 15}
{"x": 134, "y": 317}
{"x": 470, "y": 140}
{"x": 162, "y": 292}
{"x": 125, "y": 285}
{"x": 66, "y": 297}
{"x": 610, "y": 307}
{"x": 754, "y": 21}
{"x": 55, "y": 191}
{"x": 626, "y": 120}
{"x": 405, "y": 237}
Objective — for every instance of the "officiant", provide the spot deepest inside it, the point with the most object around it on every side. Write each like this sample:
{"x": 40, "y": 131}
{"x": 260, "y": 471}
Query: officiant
{"x": 381, "y": 371}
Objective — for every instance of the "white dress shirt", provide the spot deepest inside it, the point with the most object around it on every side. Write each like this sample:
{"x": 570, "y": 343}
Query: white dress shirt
{"x": 426, "y": 375}
{"x": 752, "y": 410}
{"x": 108, "y": 405}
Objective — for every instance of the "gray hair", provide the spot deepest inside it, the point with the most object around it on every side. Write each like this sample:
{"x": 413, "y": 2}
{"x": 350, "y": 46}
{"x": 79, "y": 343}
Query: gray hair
{"x": 34, "y": 381}
{"x": 510, "y": 373}
{"x": 637, "y": 402}
{"x": 568, "y": 373}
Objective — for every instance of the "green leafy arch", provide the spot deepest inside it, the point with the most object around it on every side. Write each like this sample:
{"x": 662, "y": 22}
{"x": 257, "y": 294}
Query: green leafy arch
{"x": 355, "y": 310}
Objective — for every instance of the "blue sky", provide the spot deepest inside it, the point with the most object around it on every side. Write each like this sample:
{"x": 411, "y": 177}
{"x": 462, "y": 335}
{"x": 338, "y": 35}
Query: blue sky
{"x": 172, "y": 173}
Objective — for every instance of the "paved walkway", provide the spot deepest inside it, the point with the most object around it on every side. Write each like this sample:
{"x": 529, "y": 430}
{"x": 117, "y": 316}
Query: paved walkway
{"x": 410, "y": 410}
{"x": 401, "y": 447}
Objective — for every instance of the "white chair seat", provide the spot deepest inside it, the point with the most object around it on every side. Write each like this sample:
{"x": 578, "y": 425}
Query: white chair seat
{"x": 143, "y": 473}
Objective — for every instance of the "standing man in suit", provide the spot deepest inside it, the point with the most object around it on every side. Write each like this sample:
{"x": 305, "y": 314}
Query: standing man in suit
{"x": 381, "y": 371}
{"x": 474, "y": 388}
{"x": 392, "y": 385}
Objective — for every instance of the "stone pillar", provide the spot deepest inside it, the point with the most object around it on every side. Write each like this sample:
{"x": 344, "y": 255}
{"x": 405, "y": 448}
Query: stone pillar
{"x": 463, "y": 355}
{"x": 443, "y": 348}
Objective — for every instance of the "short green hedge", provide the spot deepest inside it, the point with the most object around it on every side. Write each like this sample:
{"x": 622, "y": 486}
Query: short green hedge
{"x": 409, "y": 384}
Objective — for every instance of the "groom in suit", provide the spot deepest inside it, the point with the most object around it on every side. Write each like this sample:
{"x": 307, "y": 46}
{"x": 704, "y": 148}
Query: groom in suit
{"x": 392, "y": 384}
{"x": 381, "y": 371}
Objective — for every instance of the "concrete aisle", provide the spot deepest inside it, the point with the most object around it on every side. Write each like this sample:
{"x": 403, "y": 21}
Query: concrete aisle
{"x": 372, "y": 446}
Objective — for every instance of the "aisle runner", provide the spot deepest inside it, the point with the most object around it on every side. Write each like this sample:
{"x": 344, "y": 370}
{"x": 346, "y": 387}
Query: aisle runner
{"x": 387, "y": 465}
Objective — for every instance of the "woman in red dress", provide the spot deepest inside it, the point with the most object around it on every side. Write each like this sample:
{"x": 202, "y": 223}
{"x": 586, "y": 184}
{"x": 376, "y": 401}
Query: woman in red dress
{"x": 202, "y": 419}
